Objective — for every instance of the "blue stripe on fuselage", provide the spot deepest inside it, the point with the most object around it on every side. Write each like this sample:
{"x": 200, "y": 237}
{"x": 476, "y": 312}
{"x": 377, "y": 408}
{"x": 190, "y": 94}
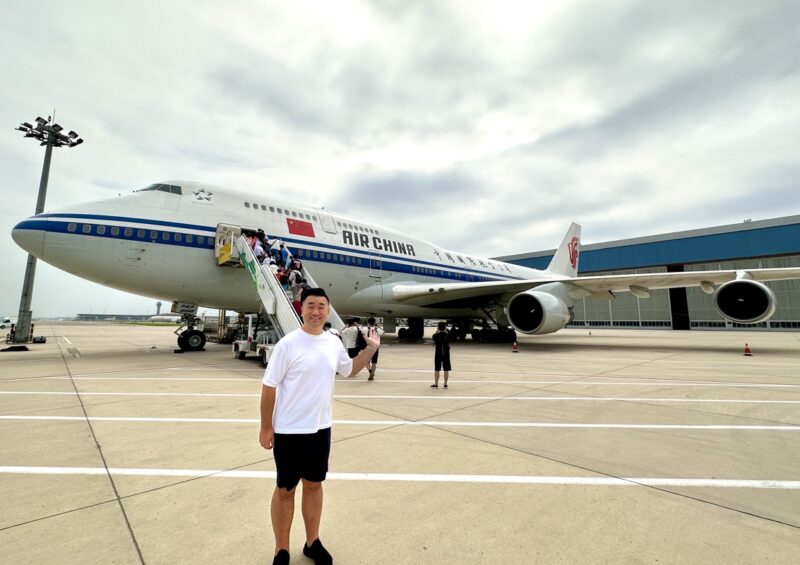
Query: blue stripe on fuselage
{"x": 387, "y": 263}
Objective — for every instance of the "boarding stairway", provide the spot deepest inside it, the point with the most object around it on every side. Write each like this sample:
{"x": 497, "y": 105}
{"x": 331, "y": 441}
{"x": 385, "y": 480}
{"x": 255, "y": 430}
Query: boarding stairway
{"x": 276, "y": 303}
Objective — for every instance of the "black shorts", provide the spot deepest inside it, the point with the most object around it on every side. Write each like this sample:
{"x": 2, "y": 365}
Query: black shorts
{"x": 441, "y": 361}
{"x": 302, "y": 456}
{"x": 375, "y": 357}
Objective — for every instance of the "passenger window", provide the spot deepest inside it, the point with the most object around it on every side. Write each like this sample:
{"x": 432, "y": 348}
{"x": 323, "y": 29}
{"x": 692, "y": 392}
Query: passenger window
{"x": 255, "y": 205}
{"x": 263, "y": 207}
{"x": 86, "y": 228}
{"x": 189, "y": 238}
{"x": 128, "y": 232}
{"x": 272, "y": 208}
{"x": 286, "y": 212}
{"x": 339, "y": 224}
{"x": 280, "y": 211}
{"x": 101, "y": 230}
{"x": 246, "y": 204}
{"x": 140, "y": 234}
{"x": 294, "y": 214}
{"x": 165, "y": 236}
{"x": 72, "y": 228}
{"x": 316, "y": 254}
{"x": 314, "y": 218}
{"x": 178, "y": 237}
{"x": 154, "y": 235}
{"x": 114, "y": 230}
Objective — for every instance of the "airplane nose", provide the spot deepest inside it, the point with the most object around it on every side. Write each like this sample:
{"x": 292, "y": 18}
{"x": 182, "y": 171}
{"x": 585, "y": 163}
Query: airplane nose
{"x": 29, "y": 234}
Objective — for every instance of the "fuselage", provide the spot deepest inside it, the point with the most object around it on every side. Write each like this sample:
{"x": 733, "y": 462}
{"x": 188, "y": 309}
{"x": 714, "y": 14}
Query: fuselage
{"x": 159, "y": 242}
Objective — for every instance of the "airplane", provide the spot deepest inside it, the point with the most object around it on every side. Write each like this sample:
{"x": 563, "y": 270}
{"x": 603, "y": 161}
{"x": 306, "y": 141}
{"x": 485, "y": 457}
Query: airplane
{"x": 162, "y": 242}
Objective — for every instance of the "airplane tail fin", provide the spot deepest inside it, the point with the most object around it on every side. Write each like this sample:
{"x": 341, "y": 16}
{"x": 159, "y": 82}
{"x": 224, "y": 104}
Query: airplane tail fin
{"x": 565, "y": 261}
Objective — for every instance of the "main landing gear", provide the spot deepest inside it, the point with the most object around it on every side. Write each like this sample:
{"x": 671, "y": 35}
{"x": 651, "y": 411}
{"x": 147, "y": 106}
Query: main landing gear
{"x": 190, "y": 339}
{"x": 414, "y": 331}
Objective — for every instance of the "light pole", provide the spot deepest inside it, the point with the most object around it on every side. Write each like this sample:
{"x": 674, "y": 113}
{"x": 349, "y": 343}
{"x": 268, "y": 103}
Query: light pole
{"x": 48, "y": 134}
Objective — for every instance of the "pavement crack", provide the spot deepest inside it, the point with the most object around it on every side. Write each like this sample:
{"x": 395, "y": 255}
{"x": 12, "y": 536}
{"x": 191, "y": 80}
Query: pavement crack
{"x": 105, "y": 464}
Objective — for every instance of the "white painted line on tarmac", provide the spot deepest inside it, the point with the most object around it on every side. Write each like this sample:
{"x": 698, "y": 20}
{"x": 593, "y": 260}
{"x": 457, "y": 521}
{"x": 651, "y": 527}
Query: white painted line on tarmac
{"x": 66, "y": 339}
{"x": 566, "y": 398}
{"x": 208, "y": 394}
{"x": 460, "y": 381}
{"x": 437, "y": 397}
{"x": 433, "y": 423}
{"x": 416, "y": 477}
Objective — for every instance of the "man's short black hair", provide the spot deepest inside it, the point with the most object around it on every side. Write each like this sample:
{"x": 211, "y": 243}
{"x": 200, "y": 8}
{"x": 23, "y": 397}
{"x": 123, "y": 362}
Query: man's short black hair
{"x": 313, "y": 292}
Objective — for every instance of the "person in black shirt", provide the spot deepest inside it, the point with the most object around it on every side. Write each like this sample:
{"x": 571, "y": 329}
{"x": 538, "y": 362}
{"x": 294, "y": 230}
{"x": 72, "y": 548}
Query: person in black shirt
{"x": 441, "y": 358}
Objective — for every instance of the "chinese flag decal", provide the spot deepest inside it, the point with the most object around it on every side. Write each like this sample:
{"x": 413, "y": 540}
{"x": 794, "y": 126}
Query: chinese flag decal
{"x": 299, "y": 227}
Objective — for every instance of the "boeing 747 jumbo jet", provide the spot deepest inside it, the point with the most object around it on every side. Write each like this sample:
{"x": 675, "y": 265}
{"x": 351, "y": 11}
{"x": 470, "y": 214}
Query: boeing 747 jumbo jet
{"x": 164, "y": 241}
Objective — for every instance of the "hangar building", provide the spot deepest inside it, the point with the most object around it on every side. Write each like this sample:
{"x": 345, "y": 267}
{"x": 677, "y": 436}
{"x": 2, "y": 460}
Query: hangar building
{"x": 751, "y": 244}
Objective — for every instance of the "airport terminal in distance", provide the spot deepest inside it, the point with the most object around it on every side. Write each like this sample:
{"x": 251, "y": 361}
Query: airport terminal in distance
{"x": 750, "y": 244}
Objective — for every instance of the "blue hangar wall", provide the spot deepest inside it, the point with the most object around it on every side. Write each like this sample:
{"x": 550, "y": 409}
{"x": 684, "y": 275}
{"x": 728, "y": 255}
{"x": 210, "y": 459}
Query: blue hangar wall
{"x": 752, "y": 244}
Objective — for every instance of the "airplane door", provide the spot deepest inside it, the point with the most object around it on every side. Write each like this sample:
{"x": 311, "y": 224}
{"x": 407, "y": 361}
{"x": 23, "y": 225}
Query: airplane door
{"x": 327, "y": 221}
{"x": 376, "y": 271}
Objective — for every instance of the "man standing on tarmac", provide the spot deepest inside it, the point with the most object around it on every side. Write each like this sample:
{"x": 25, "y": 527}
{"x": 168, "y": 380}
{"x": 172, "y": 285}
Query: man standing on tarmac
{"x": 303, "y": 367}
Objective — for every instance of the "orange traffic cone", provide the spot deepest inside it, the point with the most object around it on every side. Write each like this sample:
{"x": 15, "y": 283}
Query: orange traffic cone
{"x": 747, "y": 352}
{"x": 515, "y": 348}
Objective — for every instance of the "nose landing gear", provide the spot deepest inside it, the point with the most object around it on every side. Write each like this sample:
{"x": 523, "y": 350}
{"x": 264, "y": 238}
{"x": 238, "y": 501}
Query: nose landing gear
{"x": 190, "y": 339}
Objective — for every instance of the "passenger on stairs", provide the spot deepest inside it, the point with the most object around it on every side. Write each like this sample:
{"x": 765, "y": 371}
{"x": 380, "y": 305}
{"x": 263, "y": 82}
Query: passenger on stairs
{"x": 295, "y": 283}
{"x": 277, "y": 244}
{"x": 259, "y": 252}
{"x": 285, "y": 255}
{"x": 282, "y": 276}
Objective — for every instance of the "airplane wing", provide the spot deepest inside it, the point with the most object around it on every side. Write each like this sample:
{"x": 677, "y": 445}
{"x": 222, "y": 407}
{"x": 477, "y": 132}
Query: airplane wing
{"x": 437, "y": 294}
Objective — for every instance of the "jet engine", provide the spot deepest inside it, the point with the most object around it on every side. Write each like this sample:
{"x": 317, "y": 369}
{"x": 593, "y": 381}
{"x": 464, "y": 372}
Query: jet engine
{"x": 745, "y": 301}
{"x": 533, "y": 312}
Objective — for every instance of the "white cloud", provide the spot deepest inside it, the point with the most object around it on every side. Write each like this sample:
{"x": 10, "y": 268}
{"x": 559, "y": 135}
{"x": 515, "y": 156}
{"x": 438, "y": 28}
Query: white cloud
{"x": 502, "y": 121}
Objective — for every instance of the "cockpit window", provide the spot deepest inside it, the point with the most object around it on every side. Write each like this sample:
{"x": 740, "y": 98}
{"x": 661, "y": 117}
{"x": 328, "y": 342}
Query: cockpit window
{"x": 171, "y": 188}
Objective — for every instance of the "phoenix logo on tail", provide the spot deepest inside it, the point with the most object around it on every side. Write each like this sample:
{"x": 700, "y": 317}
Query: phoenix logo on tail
{"x": 573, "y": 251}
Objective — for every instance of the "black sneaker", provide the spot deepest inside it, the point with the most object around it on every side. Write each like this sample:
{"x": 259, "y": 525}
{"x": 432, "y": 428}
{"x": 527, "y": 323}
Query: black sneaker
{"x": 318, "y": 553}
{"x": 281, "y": 558}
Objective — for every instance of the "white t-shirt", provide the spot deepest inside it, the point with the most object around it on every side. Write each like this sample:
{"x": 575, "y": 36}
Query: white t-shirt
{"x": 349, "y": 336}
{"x": 303, "y": 368}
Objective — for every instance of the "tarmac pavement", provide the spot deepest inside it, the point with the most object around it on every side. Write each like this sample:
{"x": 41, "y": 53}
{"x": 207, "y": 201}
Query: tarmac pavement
{"x": 623, "y": 446}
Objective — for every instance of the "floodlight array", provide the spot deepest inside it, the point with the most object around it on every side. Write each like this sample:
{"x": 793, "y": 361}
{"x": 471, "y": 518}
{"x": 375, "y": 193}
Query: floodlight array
{"x": 46, "y": 132}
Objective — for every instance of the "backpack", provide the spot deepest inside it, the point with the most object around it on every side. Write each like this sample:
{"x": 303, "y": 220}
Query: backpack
{"x": 361, "y": 343}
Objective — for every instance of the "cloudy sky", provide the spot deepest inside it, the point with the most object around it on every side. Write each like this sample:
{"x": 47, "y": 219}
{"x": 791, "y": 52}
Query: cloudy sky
{"x": 485, "y": 127}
